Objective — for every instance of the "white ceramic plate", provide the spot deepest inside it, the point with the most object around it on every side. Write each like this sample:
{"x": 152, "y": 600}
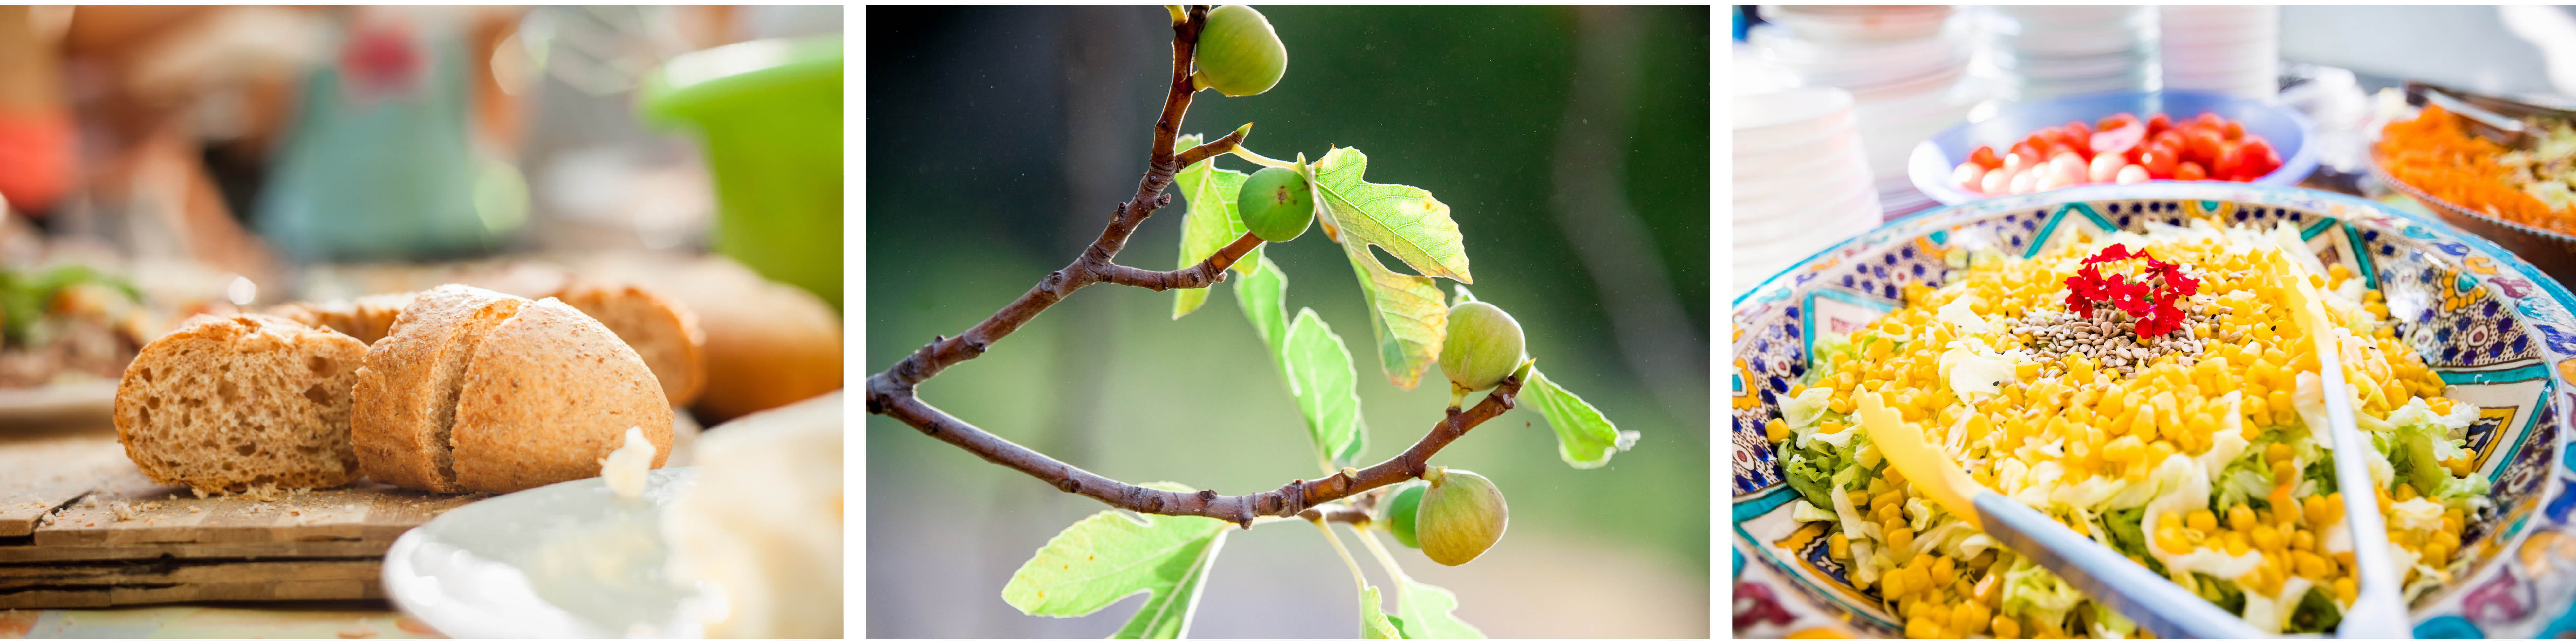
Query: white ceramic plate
{"x": 57, "y": 403}
{"x": 565, "y": 560}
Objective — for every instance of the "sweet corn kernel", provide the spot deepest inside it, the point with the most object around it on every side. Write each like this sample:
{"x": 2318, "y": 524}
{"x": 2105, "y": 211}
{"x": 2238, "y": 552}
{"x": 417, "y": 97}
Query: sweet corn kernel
{"x": 2235, "y": 544}
{"x": 2266, "y": 539}
{"x": 1968, "y": 618}
{"x": 1839, "y": 546}
{"x": 1901, "y": 539}
{"x": 2005, "y": 627}
{"x": 2202, "y": 520}
{"x": 1922, "y": 628}
{"x": 2240, "y": 518}
{"x": 2343, "y": 588}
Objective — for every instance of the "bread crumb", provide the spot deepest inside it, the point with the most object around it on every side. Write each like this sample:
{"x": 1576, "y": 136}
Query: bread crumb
{"x": 192, "y": 509}
{"x": 123, "y": 511}
{"x": 201, "y": 492}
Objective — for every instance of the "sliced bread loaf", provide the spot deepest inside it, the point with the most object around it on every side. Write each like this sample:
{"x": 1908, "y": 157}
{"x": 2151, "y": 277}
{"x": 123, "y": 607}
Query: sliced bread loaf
{"x": 406, "y": 393}
{"x": 476, "y": 390}
{"x": 228, "y": 402}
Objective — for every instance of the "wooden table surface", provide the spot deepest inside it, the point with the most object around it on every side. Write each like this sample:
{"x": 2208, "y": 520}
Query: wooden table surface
{"x": 106, "y": 552}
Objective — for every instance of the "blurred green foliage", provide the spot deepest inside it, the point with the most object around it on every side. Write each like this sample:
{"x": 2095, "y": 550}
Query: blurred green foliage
{"x": 968, "y": 205}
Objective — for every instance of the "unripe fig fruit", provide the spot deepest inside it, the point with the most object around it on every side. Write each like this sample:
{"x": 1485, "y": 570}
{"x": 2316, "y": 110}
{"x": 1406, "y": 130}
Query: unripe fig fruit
{"x": 1483, "y": 346}
{"x": 1276, "y": 204}
{"x": 1238, "y": 53}
{"x": 1400, "y": 512}
{"x": 1462, "y": 515}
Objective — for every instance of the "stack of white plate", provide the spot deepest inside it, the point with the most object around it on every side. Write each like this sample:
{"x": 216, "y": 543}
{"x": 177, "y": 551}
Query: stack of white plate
{"x": 2053, "y": 51}
{"x": 1801, "y": 183}
{"x": 1905, "y": 66}
{"x": 2231, "y": 49}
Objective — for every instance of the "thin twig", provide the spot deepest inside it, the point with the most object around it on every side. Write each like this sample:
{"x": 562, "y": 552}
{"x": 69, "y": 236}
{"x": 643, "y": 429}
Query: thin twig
{"x": 1288, "y": 500}
{"x": 893, "y": 392}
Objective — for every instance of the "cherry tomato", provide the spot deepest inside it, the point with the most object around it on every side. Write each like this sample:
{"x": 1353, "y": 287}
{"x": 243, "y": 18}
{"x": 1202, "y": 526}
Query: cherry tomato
{"x": 2255, "y": 146}
{"x": 2230, "y": 161}
{"x": 2189, "y": 171}
{"x": 2233, "y": 130}
{"x": 2204, "y": 146}
{"x": 2026, "y": 152}
{"x": 2078, "y": 130}
{"x": 2158, "y": 124}
{"x": 2114, "y": 121}
{"x": 2263, "y": 164}
{"x": 2172, "y": 138}
{"x": 2159, "y": 160}
{"x": 1984, "y": 157}
{"x": 2208, "y": 119}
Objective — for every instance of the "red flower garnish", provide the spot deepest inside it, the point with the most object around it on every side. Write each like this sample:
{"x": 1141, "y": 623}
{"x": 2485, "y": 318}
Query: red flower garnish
{"x": 2153, "y": 303}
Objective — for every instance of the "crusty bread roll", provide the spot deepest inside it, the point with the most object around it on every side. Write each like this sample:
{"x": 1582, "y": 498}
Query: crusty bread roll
{"x": 768, "y": 344}
{"x": 230, "y": 402}
{"x": 662, "y": 332}
{"x": 367, "y": 318}
{"x": 481, "y": 391}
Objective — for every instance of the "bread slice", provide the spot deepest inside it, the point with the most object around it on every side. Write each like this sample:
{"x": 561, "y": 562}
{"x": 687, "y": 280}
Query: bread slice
{"x": 368, "y": 318}
{"x": 406, "y": 394}
{"x": 549, "y": 393}
{"x": 235, "y": 401}
{"x": 663, "y": 333}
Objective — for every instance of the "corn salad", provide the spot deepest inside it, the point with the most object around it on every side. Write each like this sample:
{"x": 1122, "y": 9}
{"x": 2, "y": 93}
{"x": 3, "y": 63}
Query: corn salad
{"x": 2190, "y": 450}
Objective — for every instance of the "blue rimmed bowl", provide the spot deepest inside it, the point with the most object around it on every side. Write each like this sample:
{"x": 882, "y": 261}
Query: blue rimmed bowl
{"x": 2495, "y": 328}
{"x": 1932, "y": 161}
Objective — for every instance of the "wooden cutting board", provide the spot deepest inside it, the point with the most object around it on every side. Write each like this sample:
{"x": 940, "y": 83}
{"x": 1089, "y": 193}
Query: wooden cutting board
{"x": 81, "y": 527}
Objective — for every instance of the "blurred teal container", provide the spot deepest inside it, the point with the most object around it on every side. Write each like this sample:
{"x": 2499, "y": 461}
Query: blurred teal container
{"x": 769, "y": 112}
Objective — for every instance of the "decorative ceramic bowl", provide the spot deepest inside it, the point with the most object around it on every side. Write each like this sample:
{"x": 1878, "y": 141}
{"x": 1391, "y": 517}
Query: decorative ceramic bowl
{"x": 1933, "y": 160}
{"x": 2499, "y": 332}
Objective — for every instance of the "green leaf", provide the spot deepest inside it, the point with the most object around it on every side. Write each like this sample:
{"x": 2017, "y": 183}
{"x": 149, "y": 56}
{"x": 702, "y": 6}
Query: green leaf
{"x": 1326, "y": 385}
{"x": 1404, "y": 220}
{"x": 1373, "y": 622}
{"x": 1209, "y": 221}
{"x": 1407, "y": 314}
{"x": 1423, "y": 612}
{"x": 1112, "y": 555}
{"x": 1584, "y": 438}
{"x": 1263, "y": 296}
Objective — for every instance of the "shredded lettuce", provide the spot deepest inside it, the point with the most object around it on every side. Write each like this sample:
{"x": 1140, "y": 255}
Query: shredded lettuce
{"x": 2032, "y": 591}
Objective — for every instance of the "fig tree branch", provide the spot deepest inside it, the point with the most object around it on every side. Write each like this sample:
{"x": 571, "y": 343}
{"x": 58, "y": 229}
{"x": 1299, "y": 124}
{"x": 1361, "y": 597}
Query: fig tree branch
{"x": 893, "y": 392}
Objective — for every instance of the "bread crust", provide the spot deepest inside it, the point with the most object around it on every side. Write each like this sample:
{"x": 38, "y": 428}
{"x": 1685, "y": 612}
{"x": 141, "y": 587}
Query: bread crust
{"x": 550, "y": 392}
{"x": 293, "y": 432}
{"x": 663, "y": 333}
{"x": 405, "y": 395}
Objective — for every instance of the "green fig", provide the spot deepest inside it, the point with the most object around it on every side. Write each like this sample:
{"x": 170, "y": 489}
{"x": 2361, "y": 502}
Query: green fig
{"x": 1462, "y": 515}
{"x": 1275, "y": 204}
{"x": 1238, "y": 53}
{"x": 1484, "y": 345}
{"x": 1400, "y": 511}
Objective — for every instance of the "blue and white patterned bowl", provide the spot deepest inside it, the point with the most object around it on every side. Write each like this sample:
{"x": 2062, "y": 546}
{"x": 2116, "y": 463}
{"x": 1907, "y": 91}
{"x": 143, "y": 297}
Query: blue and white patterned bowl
{"x": 2496, "y": 329}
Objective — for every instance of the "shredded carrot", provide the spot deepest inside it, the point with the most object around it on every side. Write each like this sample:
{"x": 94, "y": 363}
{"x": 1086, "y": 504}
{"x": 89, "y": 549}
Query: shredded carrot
{"x": 2435, "y": 153}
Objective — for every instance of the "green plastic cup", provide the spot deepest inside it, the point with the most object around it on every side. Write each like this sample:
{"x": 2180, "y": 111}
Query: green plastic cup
{"x": 769, "y": 113}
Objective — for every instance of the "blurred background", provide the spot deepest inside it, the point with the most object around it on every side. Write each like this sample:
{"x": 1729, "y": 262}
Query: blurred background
{"x": 1571, "y": 145}
{"x": 238, "y": 157}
